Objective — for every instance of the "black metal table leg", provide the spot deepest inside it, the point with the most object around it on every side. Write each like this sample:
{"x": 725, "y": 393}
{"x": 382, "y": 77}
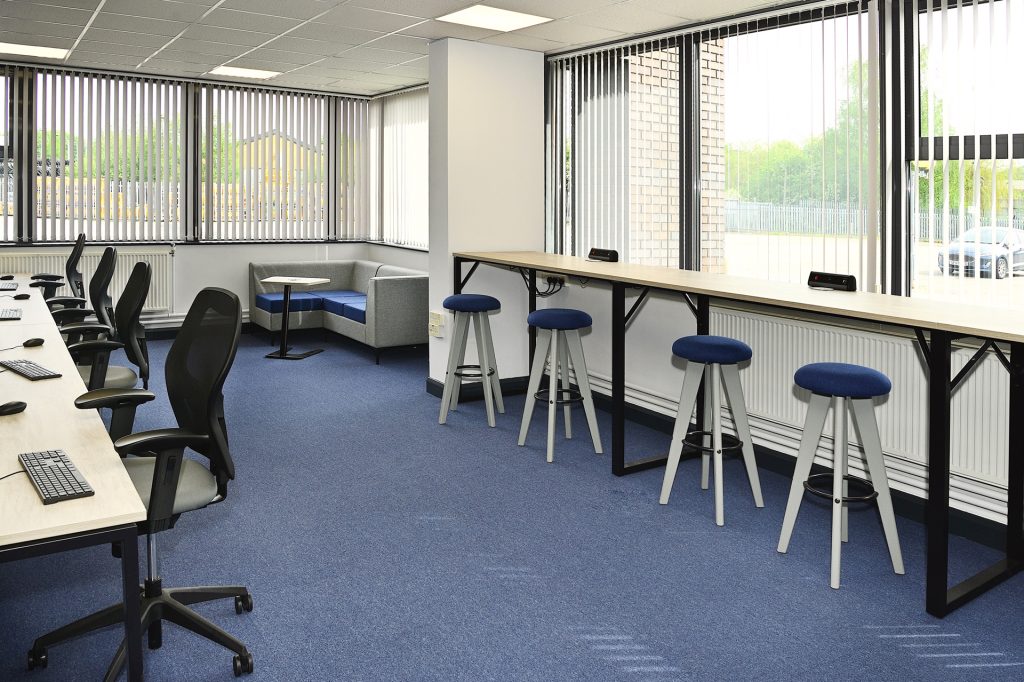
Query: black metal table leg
{"x": 533, "y": 306}
{"x": 282, "y": 353}
{"x": 937, "y": 506}
{"x": 132, "y": 616}
{"x": 1015, "y": 472}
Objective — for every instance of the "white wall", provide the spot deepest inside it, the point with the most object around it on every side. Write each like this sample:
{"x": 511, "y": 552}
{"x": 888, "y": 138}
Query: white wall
{"x": 486, "y": 180}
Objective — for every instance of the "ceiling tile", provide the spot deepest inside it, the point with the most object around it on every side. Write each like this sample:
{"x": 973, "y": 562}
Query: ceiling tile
{"x": 208, "y": 47}
{"x": 294, "y": 9}
{"x": 173, "y": 55}
{"x": 435, "y": 30}
{"x": 114, "y": 48}
{"x": 39, "y": 12}
{"x": 402, "y": 43}
{"x": 552, "y": 10}
{"x": 284, "y": 59}
{"x": 125, "y": 22}
{"x": 629, "y": 19}
{"x": 249, "y": 21}
{"x": 568, "y": 31}
{"x": 227, "y": 35}
{"x": 354, "y": 88}
{"x": 294, "y": 80}
{"x": 339, "y": 34}
{"x": 524, "y": 42}
{"x": 366, "y": 19}
{"x": 322, "y": 48}
{"x": 42, "y": 28}
{"x": 88, "y": 5}
{"x": 121, "y": 60}
{"x": 104, "y": 35}
{"x": 426, "y": 9}
{"x": 372, "y": 54}
{"x": 157, "y": 9}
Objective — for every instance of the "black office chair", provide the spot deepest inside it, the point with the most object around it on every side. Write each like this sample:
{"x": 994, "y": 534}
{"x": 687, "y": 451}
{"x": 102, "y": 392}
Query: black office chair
{"x": 93, "y": 355}
{"x": 73, "y": 277}
{"x": 99, "y": 297}
{"x": 171, "y": 484}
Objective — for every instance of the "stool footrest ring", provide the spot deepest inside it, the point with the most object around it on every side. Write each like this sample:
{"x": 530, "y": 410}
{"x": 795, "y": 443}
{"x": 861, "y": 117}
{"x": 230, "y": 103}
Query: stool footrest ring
{"x": 869, "y": 490}
{"x": 471, "y": 372}
{"x": 566, "y": 396}
{"x": 695, "y": 439}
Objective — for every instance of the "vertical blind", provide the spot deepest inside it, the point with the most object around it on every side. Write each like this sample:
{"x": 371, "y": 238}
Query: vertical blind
{"x": 108, "y": 158}
{"x": 612, "y": 138}
{"x": 400, "y": 131}
{"x": 355, "y": 151}
{"x": 8, "y": 155}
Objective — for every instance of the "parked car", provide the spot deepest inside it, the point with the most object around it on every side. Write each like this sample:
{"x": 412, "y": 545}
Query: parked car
{"x": 977, "y": 249}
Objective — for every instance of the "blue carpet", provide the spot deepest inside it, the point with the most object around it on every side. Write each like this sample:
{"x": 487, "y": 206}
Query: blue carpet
{"x": 381, "y": 546}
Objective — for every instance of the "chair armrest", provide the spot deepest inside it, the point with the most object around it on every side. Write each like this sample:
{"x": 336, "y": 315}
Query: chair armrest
{"x": 66, "y": 301}
{"x": 43, "y": 276}
{"x": 63, "y": 315}
{"x": 158, "y": 440}
{"x": 396, "y": 310}
{"x": 112, "y": 398}
{"x": 94, "y": 346}
{"x": 86, "y": 328}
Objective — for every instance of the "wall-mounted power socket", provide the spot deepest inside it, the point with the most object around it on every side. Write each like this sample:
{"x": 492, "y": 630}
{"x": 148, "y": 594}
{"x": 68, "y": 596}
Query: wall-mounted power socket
{"x": 435, "y": 324}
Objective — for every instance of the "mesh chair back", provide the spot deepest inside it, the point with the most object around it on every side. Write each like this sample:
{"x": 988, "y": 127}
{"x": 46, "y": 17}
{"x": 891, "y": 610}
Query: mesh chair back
{"x": 99, "y": 297}
{"x": 71, "y": 272}
{"x": 196, "y": 368}
{"x": 130, "y": 331}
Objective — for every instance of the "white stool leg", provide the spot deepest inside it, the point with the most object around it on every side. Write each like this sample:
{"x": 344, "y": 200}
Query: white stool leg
{"x": 450, "y": 380}
{"x": 734, "y": 391}
{"x": 485, "y": 363}
{"x": 552, "y": 394}
{"x": 463, "y": 341}
{"x": 495, "y": 379}
{"x": 687, "y": 401}
{"x": 563, "y": 365}
{"x": 579, "y": 364}
{"x": 838, "y": 468}
{"x": 813, "y": 426}
{"x": 864, "y": 413}
{"x": 716, "y": 442}
{"x": 536, "y": 372}
{"x": 705, "y": 425}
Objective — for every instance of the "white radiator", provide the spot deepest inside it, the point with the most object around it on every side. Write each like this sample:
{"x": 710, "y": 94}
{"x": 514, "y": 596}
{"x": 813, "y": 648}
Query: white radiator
{"x": 160, "y": 258}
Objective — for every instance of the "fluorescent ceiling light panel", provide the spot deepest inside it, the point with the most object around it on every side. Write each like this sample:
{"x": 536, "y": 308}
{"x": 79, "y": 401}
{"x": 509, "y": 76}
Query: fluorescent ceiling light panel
{"x": 236, "y": 72}
{"x": 482, "y": 16}
{"x": 33, "y": 51}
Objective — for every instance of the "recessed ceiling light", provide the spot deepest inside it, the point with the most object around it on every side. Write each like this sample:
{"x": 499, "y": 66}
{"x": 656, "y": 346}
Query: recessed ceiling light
{"x": 33, "y": 51}
{"x": 493, "y": 18}
{"x": 236, "y": 72}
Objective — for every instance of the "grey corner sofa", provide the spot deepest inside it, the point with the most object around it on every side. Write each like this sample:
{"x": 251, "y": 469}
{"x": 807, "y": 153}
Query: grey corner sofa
{"x": 379, "y": 305}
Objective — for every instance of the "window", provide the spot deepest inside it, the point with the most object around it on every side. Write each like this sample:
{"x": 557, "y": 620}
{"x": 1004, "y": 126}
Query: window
{"x": 263, "y": 165}
{"x": 787, "y": 182}
{"x": 402, "y": 169}
{"x": 613, "y": 153}
{"x": 108, "y": 160}
{"x": 966, "y": 174}
{"x": 8, "y": 158}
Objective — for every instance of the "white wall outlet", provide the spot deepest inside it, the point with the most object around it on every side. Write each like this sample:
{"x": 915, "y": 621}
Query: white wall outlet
{"x": 435, "y": 324}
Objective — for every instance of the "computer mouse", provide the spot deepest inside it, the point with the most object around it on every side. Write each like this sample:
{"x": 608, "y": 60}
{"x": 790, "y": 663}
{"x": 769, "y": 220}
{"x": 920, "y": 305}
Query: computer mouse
{"x": 22, "y": 297}
{"x": 33, "y": 342}
{"x": 6, "y": 276}
{"x": 13, "y": 407}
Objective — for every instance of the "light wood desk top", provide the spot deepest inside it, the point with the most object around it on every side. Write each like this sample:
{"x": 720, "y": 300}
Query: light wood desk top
{"x": 299, "y": 281}
{"x": 51, "y": 422}
{"x": 969, "y": 319}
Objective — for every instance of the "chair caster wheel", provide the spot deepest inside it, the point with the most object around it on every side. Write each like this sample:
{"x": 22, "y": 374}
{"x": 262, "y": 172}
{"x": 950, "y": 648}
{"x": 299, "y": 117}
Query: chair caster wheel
{"x": 37, "y": 658}
{"x": 242, "y": 664}
{"x": 243, "y": 603}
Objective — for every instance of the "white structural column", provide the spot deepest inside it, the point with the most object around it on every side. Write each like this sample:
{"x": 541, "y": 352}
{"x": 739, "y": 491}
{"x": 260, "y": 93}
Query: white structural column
{"x": 486, "y": 182}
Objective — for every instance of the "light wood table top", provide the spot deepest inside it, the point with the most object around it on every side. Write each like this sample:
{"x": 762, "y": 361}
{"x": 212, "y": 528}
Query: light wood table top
{"x": 52, "y": 422}
{"x": 969, "y": 319}
{"x": 299, "y": 281}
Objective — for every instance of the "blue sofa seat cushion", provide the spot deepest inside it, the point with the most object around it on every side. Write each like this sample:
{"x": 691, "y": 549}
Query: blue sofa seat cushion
{"x": 335, "y": 302}
{"x": 337, "y": 293}
{"x": 841, "y": 379}
{"x": 712, "y": 350}
{"x": 559, "y": 318}
{"x": 355, "y": 310}
{"x": 301, "y": 301}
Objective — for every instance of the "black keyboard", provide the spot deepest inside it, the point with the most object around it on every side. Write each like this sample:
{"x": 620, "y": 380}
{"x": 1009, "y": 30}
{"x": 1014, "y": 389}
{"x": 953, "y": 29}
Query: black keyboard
{"x": 8, "y": 286}
{"x": 29, "y": 369}
{"x": 56, "y": 479}
{"x": 10, "y": 313}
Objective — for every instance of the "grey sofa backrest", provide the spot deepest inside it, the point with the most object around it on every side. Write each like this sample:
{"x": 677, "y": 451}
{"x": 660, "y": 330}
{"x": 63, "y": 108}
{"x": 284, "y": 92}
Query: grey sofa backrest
{"x": 338, "y": 271}
{"x": 395, "y": 271}
{"x": 362, "y": 271}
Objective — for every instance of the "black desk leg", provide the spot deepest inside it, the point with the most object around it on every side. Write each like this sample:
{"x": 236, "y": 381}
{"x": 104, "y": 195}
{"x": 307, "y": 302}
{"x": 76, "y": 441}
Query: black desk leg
{"x": 618, "y": 378}
{"x": 132, "y": 615}
{"x": 937, "y": 507}
{"x": 283, "y": 353}
{"x": 533, "y": 306}
{"x": 1015, "y": 470}
{"x": 457, "y": 275}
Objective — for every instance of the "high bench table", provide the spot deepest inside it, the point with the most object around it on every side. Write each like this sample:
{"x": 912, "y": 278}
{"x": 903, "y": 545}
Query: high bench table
{"x": 289, "y": 282}
{"x": 28, "y": 528}
{"x": 936, "y": 325}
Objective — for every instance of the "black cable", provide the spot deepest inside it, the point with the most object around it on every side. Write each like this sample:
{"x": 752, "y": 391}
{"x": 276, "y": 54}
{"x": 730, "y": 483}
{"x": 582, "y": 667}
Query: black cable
{"x": 13, "y": 473}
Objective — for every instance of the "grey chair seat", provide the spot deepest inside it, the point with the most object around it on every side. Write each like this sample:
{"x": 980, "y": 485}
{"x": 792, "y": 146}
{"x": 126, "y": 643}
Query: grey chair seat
{"x": 117, "y": 376}
{"x": 197, "y": 487}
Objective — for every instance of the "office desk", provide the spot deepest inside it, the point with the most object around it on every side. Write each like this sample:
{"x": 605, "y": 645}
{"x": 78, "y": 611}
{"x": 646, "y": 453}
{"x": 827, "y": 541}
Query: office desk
{"x": 51, "y": 421}
{"x": 936, "y": 325}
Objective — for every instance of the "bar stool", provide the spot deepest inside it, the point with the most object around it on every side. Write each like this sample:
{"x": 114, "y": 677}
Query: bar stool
{"x": 471, "y": 308}
{"x": 558, "y": 329}
{"x": 713, "y": 358}
{"x": 855, "y": 385}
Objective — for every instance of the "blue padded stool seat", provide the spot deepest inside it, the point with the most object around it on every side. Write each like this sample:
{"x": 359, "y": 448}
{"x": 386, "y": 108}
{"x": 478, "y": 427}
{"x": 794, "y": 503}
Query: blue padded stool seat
{"x": 712, "y": 350}
{"x": 559, "y": 318}
{"x": 471, "y": 303}
{"x": 842, "y": 379}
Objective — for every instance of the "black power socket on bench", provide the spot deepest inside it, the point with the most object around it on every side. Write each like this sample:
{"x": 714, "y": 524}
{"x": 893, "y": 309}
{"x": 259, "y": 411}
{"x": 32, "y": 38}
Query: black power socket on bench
{"x": 831, "y": 280}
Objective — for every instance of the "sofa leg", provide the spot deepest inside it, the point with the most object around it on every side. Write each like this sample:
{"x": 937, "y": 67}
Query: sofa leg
{"x": 376, "y": 354}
